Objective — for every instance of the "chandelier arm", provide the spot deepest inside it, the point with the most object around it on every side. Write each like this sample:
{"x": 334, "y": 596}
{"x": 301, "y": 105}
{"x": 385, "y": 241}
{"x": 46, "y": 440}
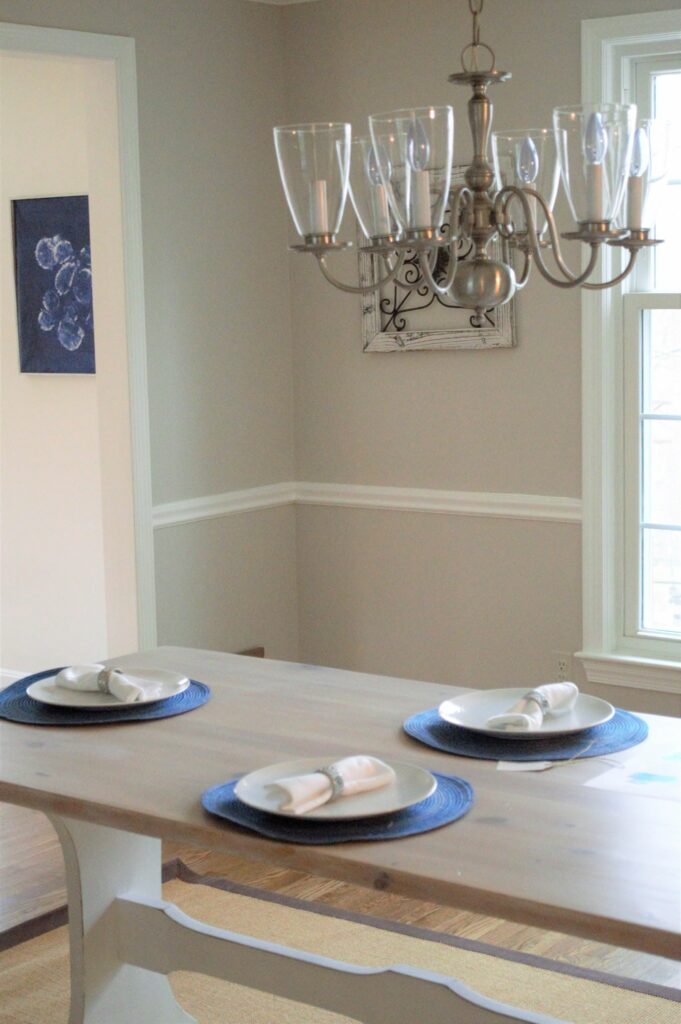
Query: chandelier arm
{"x": 462, "y": 196}
{"x": 527, "y": 267}
{"x": 573, "y": 281}
{"x": 427, "y": 274}
{"x": 502, "y": 202}
{"x": 633, "y": 253}
{"x": 359, "y": 289}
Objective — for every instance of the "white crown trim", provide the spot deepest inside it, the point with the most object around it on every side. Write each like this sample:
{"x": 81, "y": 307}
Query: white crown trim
{"x": 397, "y": 499}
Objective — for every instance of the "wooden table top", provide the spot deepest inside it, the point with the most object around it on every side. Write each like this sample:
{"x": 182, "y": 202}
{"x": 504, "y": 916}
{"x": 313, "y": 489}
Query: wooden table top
{"x": 537, "y": 847}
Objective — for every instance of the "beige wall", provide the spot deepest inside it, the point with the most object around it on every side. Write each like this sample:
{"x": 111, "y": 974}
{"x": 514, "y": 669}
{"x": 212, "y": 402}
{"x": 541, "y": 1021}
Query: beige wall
{"x": 445, "y": 598}
{"x": 211, "y": 85}
{"x": 68, "y": 573}
{"x": 253, "y": 601}
{"x": 501, "y": 420}
{"x": 432, "y": 596}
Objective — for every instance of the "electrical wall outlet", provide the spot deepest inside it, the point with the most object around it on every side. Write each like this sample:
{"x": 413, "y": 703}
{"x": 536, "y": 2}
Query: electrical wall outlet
{"x": 562, "y": 666}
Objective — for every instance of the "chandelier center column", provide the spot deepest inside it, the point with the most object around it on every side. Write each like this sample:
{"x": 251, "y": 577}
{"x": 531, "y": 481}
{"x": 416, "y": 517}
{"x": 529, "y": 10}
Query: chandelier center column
{"x": 479, "y": 174}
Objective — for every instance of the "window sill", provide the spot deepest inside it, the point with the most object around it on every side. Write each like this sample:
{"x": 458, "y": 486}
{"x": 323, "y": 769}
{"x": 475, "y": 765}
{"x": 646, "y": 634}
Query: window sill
{"x": 637, "y": 673}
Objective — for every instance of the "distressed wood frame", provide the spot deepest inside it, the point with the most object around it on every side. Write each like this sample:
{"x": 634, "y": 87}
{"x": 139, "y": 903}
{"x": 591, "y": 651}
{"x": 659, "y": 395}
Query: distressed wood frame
{"x": 461, "y": 334}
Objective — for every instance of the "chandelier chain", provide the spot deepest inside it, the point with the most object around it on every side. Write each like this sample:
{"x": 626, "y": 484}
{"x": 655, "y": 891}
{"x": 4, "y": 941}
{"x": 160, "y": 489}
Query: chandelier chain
{"x": 474, "y": 47}
{"x": 476, "y": 22}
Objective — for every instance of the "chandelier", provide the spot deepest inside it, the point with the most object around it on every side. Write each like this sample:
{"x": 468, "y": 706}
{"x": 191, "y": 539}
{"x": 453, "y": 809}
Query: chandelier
{"x": 399, "y": 179}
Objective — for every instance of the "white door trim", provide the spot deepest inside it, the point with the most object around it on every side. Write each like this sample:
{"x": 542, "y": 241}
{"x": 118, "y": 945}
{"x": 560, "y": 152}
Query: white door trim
{"x": 121, "y": 51}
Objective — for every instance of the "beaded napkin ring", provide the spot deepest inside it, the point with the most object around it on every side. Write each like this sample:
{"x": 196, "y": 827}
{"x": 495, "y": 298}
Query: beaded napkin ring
{"x": 103, "y": 679}
{"x": 540, "y": 699}
{"x": 335, "y": 778}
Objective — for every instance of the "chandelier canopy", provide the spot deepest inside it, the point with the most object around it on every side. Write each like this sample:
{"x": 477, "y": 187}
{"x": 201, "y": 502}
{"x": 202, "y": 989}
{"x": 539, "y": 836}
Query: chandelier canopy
{"x": 398, "y": 178}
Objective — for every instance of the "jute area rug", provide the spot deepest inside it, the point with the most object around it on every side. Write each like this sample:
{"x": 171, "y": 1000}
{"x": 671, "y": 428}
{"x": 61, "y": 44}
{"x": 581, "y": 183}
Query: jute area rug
{"x": 34, "y": 976}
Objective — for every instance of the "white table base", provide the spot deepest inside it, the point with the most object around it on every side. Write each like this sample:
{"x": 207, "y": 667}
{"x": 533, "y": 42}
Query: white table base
{"x": 125, "y": 940}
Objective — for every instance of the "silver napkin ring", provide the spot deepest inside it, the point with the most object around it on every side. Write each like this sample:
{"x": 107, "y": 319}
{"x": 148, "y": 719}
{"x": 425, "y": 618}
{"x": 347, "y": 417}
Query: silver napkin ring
{"x": 103, "y": 680}
{"x": 539, "y": 699}
{"x": 335, "y": 778}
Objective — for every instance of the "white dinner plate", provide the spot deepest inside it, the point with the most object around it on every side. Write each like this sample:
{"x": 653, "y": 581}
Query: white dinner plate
{"x": 411, "y": 785}
{"x": 472, "y": 710}
{"x": 47, "y": 693}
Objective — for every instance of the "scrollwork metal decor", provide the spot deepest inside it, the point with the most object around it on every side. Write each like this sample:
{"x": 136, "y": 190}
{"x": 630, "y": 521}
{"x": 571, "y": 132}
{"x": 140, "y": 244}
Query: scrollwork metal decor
{"x": 400, "y": 319}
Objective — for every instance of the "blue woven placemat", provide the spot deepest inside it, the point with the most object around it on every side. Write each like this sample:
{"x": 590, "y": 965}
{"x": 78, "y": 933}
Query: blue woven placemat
{"x": 451, "y": 800}
{"x": 16, "y": 706}
{"x": 622, "y": 731}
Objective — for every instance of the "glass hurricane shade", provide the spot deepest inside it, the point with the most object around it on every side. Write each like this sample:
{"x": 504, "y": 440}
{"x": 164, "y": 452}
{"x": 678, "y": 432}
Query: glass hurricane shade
{"x": 527, "y": 158}
{"x": 414, "y": 150}
{"x": 368, "y": 194}
{"x": 594, "y": 145}
{"x": 399, "y": 178}
{"x": 314, "y": 163}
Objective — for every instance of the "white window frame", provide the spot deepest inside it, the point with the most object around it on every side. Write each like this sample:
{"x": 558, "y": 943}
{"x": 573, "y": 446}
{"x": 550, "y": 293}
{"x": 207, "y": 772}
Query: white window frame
{"x": 636, "y": 304}
{"x": 609, "y": 48}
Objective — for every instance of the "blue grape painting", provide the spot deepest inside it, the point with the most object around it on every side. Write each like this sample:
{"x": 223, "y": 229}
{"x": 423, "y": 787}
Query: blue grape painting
{"x": 54, "y": 285}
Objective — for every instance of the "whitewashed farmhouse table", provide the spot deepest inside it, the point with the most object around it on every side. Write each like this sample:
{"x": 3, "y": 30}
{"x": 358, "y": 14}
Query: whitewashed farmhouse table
{"x": 539, "y": 848}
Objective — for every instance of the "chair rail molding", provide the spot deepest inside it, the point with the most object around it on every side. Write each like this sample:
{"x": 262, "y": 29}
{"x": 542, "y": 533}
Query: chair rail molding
{"x": 214, "y": 506}
{"x": 396, "y": 499}
{"x": 121, "y": 52}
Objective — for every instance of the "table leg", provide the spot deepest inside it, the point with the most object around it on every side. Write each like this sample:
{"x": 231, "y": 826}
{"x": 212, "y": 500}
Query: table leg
{"x": 102, "y": 864}
{"x": 125, "y": 940}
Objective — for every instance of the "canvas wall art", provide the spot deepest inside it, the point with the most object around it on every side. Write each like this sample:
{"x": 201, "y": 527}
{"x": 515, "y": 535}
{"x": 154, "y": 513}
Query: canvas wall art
{"x": 54, "y": 285}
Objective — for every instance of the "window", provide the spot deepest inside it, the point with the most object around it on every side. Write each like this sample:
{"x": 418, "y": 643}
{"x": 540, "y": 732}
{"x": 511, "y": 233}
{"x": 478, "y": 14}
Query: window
{"x": 652, "y": 468}
{"x": 632, "y": 386}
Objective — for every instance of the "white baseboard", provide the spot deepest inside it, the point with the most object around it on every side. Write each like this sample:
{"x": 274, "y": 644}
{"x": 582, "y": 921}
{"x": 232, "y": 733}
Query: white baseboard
{"x": 395, "y": 499}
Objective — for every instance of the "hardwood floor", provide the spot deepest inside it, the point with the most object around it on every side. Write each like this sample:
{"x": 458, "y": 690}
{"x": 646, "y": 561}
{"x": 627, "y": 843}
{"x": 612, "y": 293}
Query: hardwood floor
{"x": 32, "y": 884}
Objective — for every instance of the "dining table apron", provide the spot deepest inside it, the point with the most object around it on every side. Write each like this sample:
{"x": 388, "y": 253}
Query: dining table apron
{"x": 548, "y": 849}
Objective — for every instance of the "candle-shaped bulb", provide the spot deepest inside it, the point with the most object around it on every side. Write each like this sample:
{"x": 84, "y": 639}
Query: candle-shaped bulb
{"x": 640, "y": 160}
{"x": 640, "y": 156}
{"x": 595, "y": 139}
{"x": 319, "y": 207}
{"x": 373, "y": 167}
{"x": 527, "y": 161}
{"x": 418, "y": 147}
{"x": 595, "y": 146}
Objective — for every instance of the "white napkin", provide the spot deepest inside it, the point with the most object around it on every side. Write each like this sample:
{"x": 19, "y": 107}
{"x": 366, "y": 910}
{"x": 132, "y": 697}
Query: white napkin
{"x": 528, "y": 713}
{"x": 347, "y": 777}
{"x": 127, "y": 686}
